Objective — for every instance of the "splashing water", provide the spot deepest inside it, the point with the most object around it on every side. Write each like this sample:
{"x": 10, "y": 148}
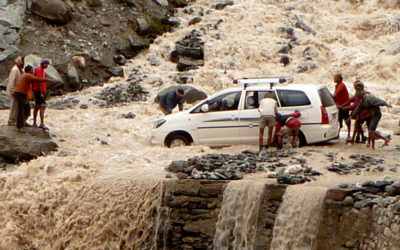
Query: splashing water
{"x": 236, "y": 227}
{"x": 298, "y": 218}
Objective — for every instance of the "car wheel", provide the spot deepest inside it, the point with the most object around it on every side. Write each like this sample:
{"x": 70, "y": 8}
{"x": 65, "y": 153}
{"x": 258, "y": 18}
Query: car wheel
{"x": 302, "y": 139}
{"x": 178, "y": 141}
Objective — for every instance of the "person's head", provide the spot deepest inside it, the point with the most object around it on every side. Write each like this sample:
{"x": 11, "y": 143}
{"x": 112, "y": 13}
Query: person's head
{"x": 337, "y": 78}
{"x": 359, "y": 87}
{"x": 269, "y": 94}
{"x": 19, "y": 61}
{"x": 44, "y": 63}
{"x": 180, "y": 92}
{"x": 28, "y": 69}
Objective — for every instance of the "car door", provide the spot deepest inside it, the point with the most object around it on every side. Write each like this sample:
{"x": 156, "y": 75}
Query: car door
{"x": 218, "y": 120}
{"x": 249, "y": 116}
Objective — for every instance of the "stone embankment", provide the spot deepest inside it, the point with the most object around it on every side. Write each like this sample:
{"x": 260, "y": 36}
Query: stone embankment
{"x": 353, "y": 216}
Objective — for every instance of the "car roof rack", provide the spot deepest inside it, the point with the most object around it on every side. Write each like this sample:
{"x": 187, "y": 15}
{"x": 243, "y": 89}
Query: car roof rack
{"x": 263, "y": 80}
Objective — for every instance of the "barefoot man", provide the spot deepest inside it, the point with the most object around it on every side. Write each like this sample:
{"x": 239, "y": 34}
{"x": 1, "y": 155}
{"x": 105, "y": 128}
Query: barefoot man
{"x": 372, "y": 104}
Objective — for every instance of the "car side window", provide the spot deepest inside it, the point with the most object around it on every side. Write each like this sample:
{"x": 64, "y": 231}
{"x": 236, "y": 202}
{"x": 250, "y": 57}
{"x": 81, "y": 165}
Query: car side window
{"x": 253, "y": 98}
{"x": 293, "y": 98}
{"x": 224, "y": 102}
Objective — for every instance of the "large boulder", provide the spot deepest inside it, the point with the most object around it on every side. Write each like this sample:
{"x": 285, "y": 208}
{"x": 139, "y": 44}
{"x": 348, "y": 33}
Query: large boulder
{"x": 191, "y": 95}
{"x": 52, "y": 10}
{"x": 16, "y": 146}
{"x": 51, "y": 72}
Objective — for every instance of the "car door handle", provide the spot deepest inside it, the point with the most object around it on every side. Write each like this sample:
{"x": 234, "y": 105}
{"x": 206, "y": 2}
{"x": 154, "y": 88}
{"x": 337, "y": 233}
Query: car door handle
{"x": 251, "y": 125}
{"x": 233, "y": 117}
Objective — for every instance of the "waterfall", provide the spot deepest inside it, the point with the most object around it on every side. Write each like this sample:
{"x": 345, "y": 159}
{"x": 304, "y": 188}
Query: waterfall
{"x": 237, "y": 221}
{"x": 298, "y": 217}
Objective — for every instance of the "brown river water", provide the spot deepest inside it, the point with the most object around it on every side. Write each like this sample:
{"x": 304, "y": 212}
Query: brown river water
{"x": 92, "y": 196}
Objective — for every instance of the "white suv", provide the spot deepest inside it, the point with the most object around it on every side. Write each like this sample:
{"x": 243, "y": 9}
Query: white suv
{"x": 231, "y": 116}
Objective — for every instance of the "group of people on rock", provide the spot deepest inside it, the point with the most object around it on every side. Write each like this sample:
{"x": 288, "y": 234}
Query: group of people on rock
{"x": 362, "y": 107}
{"x": 25, "y": 82}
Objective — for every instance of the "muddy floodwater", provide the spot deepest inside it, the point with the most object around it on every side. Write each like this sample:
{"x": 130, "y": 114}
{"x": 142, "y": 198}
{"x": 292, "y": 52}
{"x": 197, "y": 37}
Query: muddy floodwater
{"x": 103, "y": 187}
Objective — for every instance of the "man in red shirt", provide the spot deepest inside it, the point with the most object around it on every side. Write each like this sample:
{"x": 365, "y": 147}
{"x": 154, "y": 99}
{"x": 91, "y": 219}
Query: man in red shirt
{"x": 341, "y": 97}
{"x": 39, "y": 91}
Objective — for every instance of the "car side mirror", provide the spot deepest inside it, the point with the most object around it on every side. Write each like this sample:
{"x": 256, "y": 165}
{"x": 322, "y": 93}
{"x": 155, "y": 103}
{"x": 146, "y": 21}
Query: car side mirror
{"x": 204, "y": 108}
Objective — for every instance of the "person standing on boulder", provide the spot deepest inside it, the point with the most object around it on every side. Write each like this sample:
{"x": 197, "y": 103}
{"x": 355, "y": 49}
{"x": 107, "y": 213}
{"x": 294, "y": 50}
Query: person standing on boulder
{"x": 169, "y": 101}
{"x": 341, "y": 97}
{"x": 39, "y": 91}
{"x": 15, "y": 75}
{"x": 372, "y": 104}
{"x": 23, "y": 92}
{"x": 268, "y": 110}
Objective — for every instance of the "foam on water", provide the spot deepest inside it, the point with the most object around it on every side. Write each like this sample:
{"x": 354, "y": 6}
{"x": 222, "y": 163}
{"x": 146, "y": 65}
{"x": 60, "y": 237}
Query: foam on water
{"x": 84, "y": 193}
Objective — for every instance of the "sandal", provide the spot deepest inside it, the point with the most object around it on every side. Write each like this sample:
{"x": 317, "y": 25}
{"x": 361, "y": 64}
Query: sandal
{"x": 44, "y": 128}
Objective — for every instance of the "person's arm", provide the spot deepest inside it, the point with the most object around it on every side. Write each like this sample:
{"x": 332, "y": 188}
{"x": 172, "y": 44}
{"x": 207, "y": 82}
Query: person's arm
{"x": 12, "y": 81}
{"x": 180, "y": 104}
{"x": 39, "y": 79}
{"x": 375, "y": 101}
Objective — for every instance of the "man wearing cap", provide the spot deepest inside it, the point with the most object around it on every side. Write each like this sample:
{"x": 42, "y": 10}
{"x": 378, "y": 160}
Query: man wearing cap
{"x": 372, "y": 105}
{"x": 354, "y": 101}
{"x": 169, "y": 101}
{"x": 15, "y": 75}
{"x": 341, "y": 97}
{"x": 39, "y": 91}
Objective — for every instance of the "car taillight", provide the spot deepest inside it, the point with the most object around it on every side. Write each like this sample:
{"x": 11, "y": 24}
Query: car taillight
{"x": 324, "y": 116}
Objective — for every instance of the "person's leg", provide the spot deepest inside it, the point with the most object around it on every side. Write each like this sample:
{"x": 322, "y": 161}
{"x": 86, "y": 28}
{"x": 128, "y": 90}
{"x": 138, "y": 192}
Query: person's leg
{"x": 372, "y": 139}
{"x": 42, "y": 117}
{"x": 20, "y": 106}
{"x": 269, "y": 140}
{"x": 165, "y": 112}
{"x": 12, "y": 119}
{"x": 260, "y": 138}
{"x": 347, "y": 120}
{"x": 280, "y": 143}
{"x": 387, "y": 139}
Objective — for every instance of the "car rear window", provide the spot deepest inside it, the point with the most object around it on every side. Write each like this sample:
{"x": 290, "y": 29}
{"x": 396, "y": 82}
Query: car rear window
{"x": 293, "y": 98}
{"x": 326, "y": 97}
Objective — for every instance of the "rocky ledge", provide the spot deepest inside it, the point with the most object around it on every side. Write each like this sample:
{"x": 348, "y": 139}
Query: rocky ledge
{"x": 23, "y": 146}
{"x": 285, "y": 166}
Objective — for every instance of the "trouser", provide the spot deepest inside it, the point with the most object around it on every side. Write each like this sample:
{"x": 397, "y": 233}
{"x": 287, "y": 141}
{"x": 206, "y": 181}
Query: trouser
{"x": 21, "y": 100}
{"x": 13, "y": 111}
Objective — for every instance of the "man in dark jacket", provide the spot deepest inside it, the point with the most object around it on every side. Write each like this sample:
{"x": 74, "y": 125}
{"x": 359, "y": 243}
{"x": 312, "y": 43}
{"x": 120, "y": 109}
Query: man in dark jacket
{"x": 372, "y": 104}
{"x": 169, "y": 101}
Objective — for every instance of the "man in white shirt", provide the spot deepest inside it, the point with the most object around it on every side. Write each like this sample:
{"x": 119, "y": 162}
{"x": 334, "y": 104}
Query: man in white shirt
{"x": 13, "y": 79}
{"x": 268, "y": 110}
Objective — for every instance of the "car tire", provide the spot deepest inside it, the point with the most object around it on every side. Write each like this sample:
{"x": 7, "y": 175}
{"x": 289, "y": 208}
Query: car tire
{"x": 177, "y": 140}
{"x": 302, "y": 139}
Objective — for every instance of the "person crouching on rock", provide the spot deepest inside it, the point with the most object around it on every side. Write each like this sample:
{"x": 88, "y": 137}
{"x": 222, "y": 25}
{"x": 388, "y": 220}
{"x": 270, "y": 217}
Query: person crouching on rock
{"x": 372, "y": 104}
{"x": 23, "y": 92}
{"x": 288, "y": 125}
{"x": 169, "y": 101}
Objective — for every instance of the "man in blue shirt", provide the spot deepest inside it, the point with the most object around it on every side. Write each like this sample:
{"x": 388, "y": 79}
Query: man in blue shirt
{"x": 169, "y": 101}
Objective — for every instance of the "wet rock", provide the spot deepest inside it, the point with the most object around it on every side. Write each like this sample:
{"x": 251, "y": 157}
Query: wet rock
{"x": 84, "y": 106}
{"x": 189, "y": 51}
{"x": 177, "y": 166}
{"x": 123, "y": 93}
{"x": 194, "y": 20}
{"x": 222, "y": 5}
{"x": 368, "y": 184}
{"x": 365, "y": 203}
{"x": 348, "y": 201}
{"x": 343, "y": 185}
{"x": 173, "y": 21}
{"x": 129, "y": 115}
{"x": 393, "y": 190}
{"x": 285, "y": 60}
{"x": 301, "y": 25}
{"x": 64, "y": 103}
{"x": 115, "y": 71}
{"x": 183, "y": 78}
{"x": 53, "y": 10}
{"x": 191, "y": 94}
{"x": 31, "y": 143}
{"x": 119, "y": 59}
